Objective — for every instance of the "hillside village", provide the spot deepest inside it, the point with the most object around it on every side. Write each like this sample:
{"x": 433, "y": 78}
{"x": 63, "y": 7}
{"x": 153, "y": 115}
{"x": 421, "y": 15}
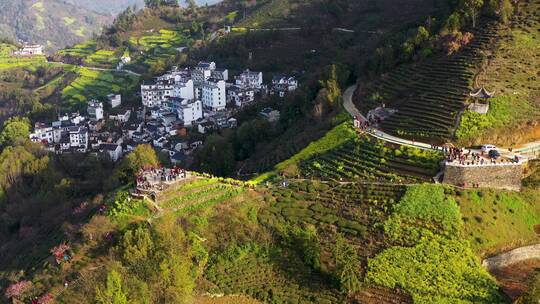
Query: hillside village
{"x": 201, "y": 99}
{"x": 328, "y": 151}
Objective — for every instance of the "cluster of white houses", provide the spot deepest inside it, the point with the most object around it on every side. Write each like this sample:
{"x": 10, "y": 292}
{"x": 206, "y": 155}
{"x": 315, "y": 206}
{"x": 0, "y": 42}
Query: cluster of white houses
{"x": 198, "y": 98}
{"x": 196, "y": 95}
{"x": 29, "y": 50}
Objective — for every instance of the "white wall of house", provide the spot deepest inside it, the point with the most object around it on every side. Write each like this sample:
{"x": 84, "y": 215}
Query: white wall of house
{"x": 190, "y": 111}
{"x": 115, "y": 100}
{"x": 184, "y": 90}
{"x": 95, "y": 110}
{"x": 214, "y": 95}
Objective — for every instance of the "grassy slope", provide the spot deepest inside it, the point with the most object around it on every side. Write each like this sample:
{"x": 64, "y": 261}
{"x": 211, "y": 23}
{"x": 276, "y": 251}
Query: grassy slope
{"x": 512, "y": 73}
{"x": 498, "y": 220}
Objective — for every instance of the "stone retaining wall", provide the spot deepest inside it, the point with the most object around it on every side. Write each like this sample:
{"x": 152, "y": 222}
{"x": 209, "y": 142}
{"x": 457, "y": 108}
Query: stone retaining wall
{"x": 507, "y": 176}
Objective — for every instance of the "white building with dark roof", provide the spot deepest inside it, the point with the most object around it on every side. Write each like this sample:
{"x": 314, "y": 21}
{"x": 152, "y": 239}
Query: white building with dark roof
{"x": 78, "y": 138}
{"x": 214, "y": 95}
{"x": 115, "y": 100}
{"x": 176, "y": 83}
{"x": 113, "y": 151}
{"x": 29, "y": 50}
{"x": 283, "y": 84}
{"x": 240, "y": 96}
{"x": 95, "y": 110}
{"x": 249, "y": 79}
{"x": 190, "y": 111}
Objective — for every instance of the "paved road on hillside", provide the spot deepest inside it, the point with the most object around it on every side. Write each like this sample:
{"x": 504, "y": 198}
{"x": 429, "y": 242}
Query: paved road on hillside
{"x": 529, "y": 149}
{"x": 354, "y": 112}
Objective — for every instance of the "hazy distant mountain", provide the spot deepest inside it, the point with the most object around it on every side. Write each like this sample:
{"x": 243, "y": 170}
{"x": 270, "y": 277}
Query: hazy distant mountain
{"x": 53, "y": 23}
{"x": 107, "y": 6}
{"x": 57, "y": 23}
{"x": 116, "y": 6}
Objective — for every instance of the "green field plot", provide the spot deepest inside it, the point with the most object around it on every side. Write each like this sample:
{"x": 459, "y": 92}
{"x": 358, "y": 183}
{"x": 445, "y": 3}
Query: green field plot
{"x": 198, "y": 194}
{"x": 495, "y": 220}
{"x": 95, "y": 84}
{"x": 267, "y": 275}
{"x": 82, "y": 50}
{"x": 103, "y": 58}
{"x": 364, "y": 158}
{"x": 156, "y": 46}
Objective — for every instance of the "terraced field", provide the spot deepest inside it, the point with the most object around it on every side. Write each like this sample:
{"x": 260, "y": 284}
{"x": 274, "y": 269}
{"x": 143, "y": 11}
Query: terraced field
{"x": 91, "y": 84}
{"x": 269, "y": 276}
{"x": 198, "y": 194}
{"x": 157, "y": 46}
{"x": 188, "y": 197}
{"x": 274, "y": 274}
{"x": 370, "y": 159}
{"x": 430, "y": 95}
{"x": 81, "y": 50}
{"x": 351, "y": 208}
{"x": 512, "y": 73}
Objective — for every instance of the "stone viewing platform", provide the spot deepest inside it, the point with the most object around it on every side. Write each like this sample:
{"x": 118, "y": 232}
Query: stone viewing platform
{"x": 500, "y": 175}
{"x": 486, "y": 164}
{"x": 152, "y": 181}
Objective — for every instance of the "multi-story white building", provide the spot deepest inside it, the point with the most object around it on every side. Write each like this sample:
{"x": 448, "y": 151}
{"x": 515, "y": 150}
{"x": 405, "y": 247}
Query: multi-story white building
{"x": 190, "y": 111}
{"x": 249, "y": 79}
{"x": 176, "y": 83}
{"x": 95, "y": 110}
{"x": 121, "y": 116}
{"x": 202, "y": 72}
{"x": 78, "y": 138}
{"x": 184, "y": 89}
{"x": 43, "y": 133}
{"x": 115, "y": 100}
{"x": 213, "y": 94}
{"x": 221, "y": 74}
{"x": 154, "y": 93}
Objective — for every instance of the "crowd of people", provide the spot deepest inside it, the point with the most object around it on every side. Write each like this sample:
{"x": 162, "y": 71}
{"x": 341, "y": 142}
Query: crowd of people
{"x": 362, "y": 124}
{"x": 470, "y": 158}
{"x": 154, "y": 177}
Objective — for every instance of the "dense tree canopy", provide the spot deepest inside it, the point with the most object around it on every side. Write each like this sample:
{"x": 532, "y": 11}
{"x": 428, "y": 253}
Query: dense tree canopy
{"x": 143, "y": 156}
{"x": 15, "y": 131}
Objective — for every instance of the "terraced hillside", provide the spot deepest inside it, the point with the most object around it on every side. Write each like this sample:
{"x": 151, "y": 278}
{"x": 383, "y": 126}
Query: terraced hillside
{"x": 189, "y": 196}
{"x": 512, "y": 73}
{"x": 429, "y": 95}
{"x": 91, "y": 84}
{"x": 365, "y": 158}
{"x": 274, "y": 275}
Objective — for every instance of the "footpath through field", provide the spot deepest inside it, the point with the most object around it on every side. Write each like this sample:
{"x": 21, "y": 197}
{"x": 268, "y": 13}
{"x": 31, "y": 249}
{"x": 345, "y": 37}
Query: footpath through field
{"x": 100, "y": 69}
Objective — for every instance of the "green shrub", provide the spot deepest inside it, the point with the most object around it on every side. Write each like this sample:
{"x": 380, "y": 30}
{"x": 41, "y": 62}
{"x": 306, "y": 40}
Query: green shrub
{"x": 437, "y": 270}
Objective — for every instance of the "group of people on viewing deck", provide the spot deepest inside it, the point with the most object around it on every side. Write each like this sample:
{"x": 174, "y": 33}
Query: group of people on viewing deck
{"x": 470, "y": 158}
{"x": 151, "y": 177}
